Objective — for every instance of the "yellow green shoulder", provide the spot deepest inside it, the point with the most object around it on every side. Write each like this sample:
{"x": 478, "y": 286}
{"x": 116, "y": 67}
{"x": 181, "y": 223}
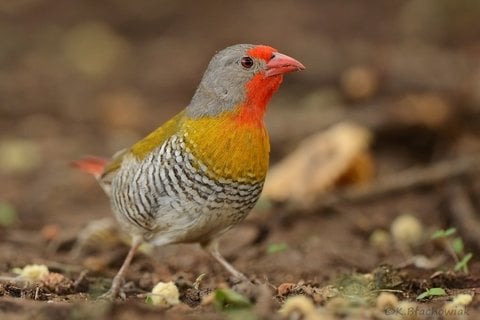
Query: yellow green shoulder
{"x": 155, "y": 139}
{"x": 143, "y": 147}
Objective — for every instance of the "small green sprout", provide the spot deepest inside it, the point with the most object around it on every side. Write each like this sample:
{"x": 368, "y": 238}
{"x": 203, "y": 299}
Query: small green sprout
{"x": 234, "y": 305}
{"x": 432, "y": 292}
{"x": 277, "y": 247}
{"x": 455, "y": 248}
{"x": 229, "y": 299}
{"x": 8, "y": 214}
{"x": 457, "y": 245}
{"x": 443, "y": 233}
{"x": 463, "y": 264}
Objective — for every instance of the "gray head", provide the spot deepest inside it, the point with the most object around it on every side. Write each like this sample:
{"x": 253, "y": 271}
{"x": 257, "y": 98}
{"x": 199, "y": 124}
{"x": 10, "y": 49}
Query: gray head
{"x": 225, "y": 83}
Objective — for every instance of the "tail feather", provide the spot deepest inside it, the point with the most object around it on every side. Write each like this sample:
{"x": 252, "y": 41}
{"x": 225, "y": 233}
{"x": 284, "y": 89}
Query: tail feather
{"x": 91, "y": 165}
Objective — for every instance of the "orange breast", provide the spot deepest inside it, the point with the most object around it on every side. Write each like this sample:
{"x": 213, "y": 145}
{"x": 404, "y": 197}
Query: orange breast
{"x": 231, "y": 149}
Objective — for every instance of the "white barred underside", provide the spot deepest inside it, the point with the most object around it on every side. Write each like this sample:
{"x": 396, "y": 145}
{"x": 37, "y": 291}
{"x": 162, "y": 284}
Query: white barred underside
{"x": 168, "y": 196}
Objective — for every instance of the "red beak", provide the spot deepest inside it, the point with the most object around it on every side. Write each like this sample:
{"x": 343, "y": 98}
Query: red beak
{"x": 281, "y": 63}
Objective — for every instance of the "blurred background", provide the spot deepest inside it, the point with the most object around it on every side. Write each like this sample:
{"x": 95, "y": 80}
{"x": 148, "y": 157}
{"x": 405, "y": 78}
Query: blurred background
{"x": 92, "y": 77}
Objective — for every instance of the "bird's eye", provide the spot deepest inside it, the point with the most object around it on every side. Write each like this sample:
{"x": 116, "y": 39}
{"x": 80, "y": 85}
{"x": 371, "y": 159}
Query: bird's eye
{"x": 247, "y": 62}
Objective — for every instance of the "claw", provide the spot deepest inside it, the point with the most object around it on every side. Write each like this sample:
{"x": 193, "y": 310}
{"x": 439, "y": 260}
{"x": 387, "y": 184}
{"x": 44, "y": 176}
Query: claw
{"x": 119, "y": 280}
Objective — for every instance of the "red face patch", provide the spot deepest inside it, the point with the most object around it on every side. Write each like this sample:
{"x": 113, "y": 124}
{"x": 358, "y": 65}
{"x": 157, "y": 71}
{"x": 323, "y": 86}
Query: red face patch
{"x": 262, "y": 52}
{"x": 259, "y": 89}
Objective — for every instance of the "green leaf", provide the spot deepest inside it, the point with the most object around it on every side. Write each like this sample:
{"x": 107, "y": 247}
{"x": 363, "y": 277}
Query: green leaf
{"x": 438, "y": 234}
{"x": 229, "y": 299}
{"x": 277, "y": 247}
{"x": 8, "y": 214}
{"x": 423, "y": 295}
{"x": 457, "y": 245}
{"x": 437, "y": 292}
{"x": 463, "y": 264}
{"x": 433, "y": 292}
{"x": 450, "y": 232}
{"x": 443, "y": 233}
{"x": 241, "y": 314}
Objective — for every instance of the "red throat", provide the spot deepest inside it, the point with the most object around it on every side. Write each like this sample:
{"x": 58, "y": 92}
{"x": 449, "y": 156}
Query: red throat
{"x": 259, "y": 91}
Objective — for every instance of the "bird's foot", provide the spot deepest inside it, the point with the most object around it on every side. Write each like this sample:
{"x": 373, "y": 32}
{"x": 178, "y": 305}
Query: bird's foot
{"x": 119, "y": 280}
{"x": 115, "y": 290}
{"x": 238, "y": 276}
{"x": 213, "y": 249}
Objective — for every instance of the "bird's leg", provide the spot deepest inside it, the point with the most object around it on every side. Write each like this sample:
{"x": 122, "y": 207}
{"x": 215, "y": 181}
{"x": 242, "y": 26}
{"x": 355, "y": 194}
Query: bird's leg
{"x": 212, "y": 248}
{"x": 119, "y": 279}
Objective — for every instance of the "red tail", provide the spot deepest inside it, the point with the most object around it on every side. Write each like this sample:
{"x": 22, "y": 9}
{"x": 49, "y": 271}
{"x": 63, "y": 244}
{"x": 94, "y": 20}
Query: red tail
{"x": 92, "y": 165}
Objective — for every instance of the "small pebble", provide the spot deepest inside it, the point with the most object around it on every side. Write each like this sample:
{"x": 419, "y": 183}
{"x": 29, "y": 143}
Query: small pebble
{"x": 407, "y": 231}
{"x": 164, "y": 295}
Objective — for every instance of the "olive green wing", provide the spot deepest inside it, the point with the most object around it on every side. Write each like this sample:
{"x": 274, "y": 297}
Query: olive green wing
{"x": 142, "y": 148}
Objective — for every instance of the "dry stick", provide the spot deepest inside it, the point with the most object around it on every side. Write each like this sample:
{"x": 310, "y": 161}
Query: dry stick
{"x": 80, "y": 279}
{"x": 408, "y": 179}
{"x": 463, "y": 215}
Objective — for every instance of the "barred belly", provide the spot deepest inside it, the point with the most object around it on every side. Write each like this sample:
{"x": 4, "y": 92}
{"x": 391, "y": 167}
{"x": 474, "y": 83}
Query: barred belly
{"x": 170, "y": 196}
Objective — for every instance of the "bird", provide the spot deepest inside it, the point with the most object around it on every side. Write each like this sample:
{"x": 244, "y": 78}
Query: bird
{"x": 201, "y": 172}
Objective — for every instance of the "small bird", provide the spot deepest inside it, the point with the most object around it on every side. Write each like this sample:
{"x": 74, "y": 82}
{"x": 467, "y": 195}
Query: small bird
{"x": 201, "y": 172}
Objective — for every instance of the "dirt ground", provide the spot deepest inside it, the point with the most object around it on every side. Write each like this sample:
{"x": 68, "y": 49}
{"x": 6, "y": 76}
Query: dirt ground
{"x": 91, "y": 77}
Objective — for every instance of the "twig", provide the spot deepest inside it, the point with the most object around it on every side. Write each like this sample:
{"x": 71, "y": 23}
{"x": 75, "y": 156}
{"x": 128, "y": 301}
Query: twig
{"x": 463, "y": 215}
{"x": 80, "y": 279}
{"x": 15, "y": 280}
{"x": 408, "y": 179}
